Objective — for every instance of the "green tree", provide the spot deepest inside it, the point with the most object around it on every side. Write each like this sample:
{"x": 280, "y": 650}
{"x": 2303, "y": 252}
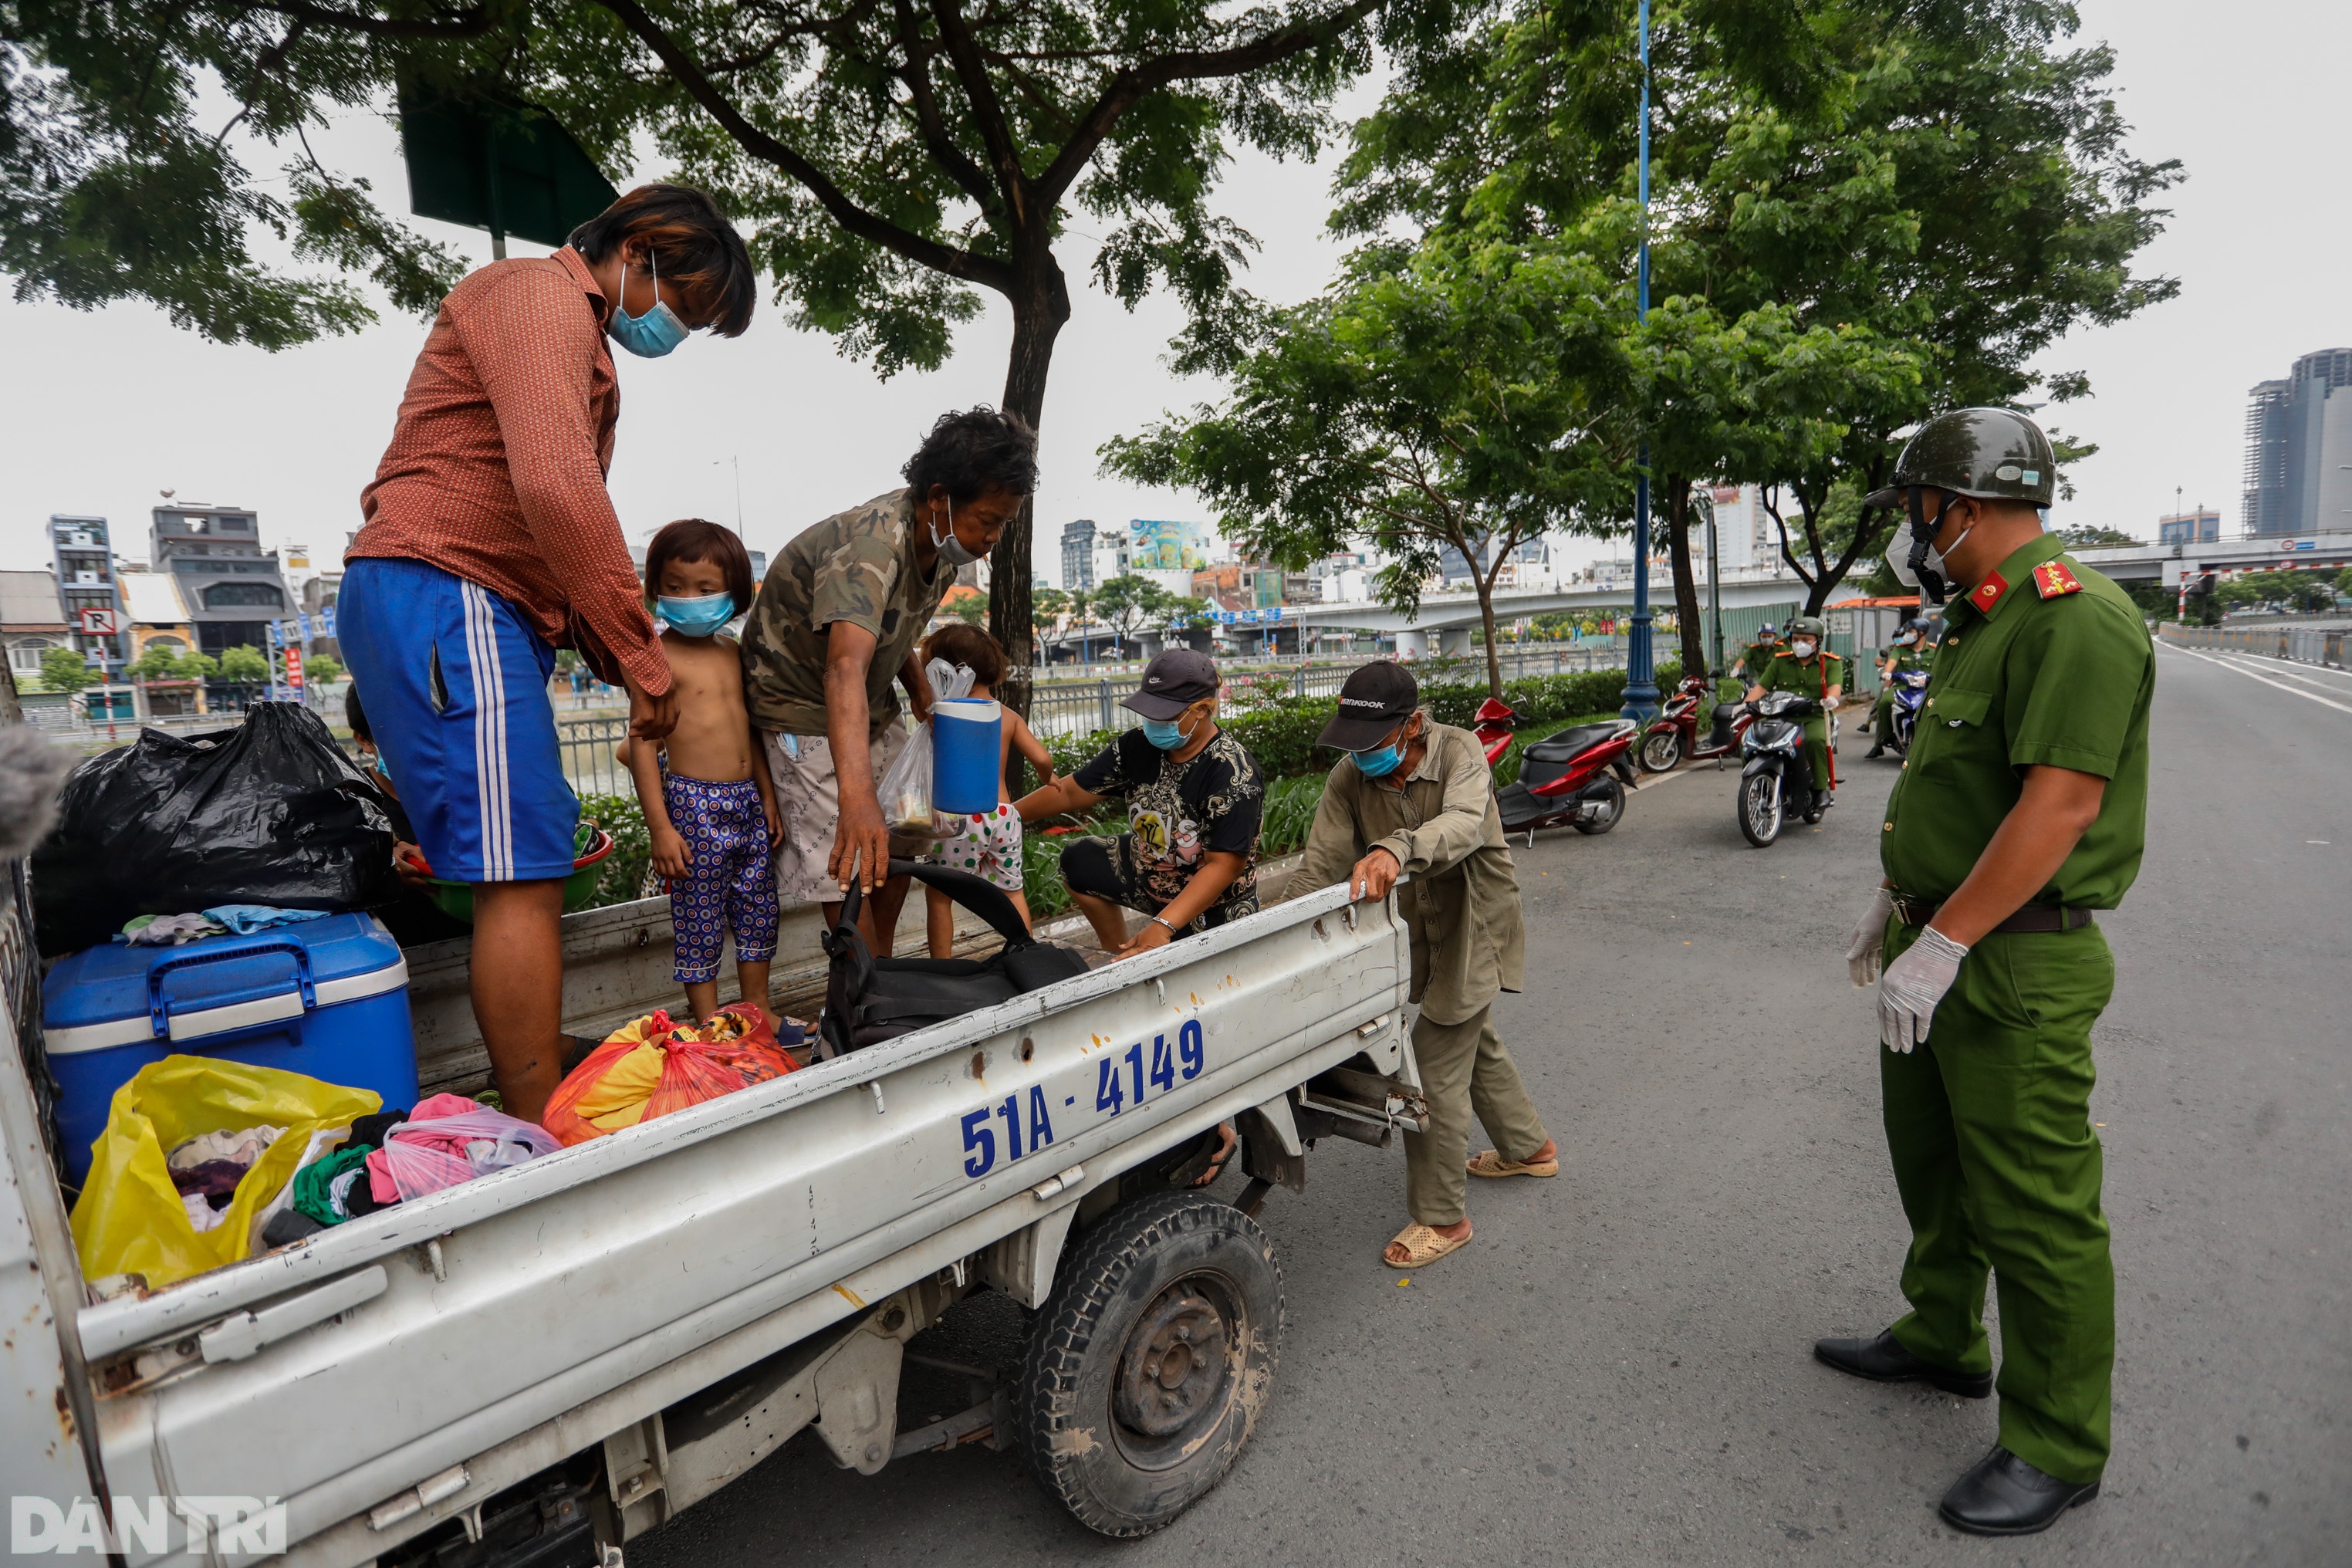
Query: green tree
{"x": 322, "y": 669}
{"x": 972, "y": 609}
{"x": 165, "y": 663}
{"x": 890, "y": 158}
{"x": 1456, "y": 397}
{"x": 1948, "y": 181}
{"x": 1181, "y": 613}
{"x": 2094, "y": 536}
{"x": 246, "y": 664}
{"x": 1129, "y": 603}
{"x": 62, "y": 669}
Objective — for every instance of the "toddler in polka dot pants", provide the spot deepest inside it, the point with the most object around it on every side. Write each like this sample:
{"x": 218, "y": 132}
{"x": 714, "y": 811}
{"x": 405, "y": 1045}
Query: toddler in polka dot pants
{"x": 710, "y": 809}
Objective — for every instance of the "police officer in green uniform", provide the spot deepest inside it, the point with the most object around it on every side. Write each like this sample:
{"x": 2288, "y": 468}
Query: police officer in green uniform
{"x": 2019, "y": 811}
{"x": 1758, "y": 654}
{"x": 1910, "y": 650}
{"x": 1808, "y": 668}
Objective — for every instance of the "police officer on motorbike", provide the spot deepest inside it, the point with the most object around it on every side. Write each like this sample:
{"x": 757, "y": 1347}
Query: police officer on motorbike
{"x": 1808, "y": 668}
{"x": 1758, "y": 654}
{"x": 1911, "y": 650}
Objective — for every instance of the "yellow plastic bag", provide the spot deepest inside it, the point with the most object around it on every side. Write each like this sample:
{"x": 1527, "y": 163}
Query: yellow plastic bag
{"x": 129, "y": 1218}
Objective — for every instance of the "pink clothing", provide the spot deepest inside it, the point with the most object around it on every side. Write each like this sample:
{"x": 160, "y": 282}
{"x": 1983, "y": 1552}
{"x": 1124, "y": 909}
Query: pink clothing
{"x": 448, "y": 1140}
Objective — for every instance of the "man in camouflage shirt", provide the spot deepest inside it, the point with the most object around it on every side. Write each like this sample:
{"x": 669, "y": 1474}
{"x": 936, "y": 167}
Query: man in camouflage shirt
{"x": 837, "y": 621}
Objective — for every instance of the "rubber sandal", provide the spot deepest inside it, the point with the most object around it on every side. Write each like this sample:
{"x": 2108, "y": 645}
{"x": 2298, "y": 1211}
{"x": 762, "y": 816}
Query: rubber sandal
{"x": 1490, "y": 1162}
{"x": 1423, "y": 1244}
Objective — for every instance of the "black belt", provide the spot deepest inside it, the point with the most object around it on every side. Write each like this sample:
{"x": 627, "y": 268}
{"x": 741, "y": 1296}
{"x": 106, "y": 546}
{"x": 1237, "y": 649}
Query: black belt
{"x": 2031, "y": 918}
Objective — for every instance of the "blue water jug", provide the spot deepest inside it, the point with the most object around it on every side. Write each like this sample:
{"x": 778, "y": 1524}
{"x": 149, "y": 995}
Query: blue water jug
{"x": 967, "y": 735}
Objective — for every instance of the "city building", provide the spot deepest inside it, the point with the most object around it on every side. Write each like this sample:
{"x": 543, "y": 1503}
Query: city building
{"x": 2202, "y": 526}
{"x": 1078, "y": 554}
{"x": 157, "y": 616}
{"x": 31, "y": 622}
{"x": 2298, "y": 472}
{"x": 231, "y": 586}
{"x": 82, "y": 556}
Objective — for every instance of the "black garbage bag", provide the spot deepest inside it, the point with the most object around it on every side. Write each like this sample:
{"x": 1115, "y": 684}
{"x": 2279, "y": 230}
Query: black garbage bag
{"x": 268, "y": 813}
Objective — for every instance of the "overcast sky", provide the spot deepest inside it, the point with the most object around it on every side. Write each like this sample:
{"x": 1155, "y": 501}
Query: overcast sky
{"x": 101, "y": 411}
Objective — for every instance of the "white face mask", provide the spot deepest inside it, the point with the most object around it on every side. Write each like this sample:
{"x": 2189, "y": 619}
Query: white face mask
{"x": 1803, "y": 647}
{"x": 951, "y": 549}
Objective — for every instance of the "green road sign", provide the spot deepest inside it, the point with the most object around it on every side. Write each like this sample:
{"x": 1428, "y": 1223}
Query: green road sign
{"x": 493, "y": 164}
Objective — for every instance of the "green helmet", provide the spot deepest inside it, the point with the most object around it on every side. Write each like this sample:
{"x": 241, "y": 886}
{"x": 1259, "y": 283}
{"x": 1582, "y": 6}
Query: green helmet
{"x": 1994, "y": 453}
{"x": 1808, "y": 626}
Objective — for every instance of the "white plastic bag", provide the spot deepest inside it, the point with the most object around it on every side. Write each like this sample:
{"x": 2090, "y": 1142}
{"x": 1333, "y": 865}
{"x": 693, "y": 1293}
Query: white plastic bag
{"x": 906, "y": 786}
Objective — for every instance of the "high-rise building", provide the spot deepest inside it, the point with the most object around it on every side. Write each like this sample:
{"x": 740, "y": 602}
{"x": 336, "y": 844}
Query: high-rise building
{"x": 2202, "y": 526}
{"x": 230, "y": 585}
{"x": 1078, "y": 553}
{"x": 84, "y": 559}
{"x": 2299, "y": 473}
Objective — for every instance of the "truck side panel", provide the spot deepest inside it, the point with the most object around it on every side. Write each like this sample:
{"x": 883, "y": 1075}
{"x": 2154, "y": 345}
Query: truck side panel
{"x": 786, "y": 1206}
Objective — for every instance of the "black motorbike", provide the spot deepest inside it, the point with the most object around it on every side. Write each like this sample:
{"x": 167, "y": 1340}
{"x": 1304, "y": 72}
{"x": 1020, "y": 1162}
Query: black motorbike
{"x": 1776, "y": 779}
{"x": 1903, "y": 713}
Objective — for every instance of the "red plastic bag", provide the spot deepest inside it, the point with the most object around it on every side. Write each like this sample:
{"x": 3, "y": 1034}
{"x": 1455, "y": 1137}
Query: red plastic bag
{"x": 651, "y": 1066}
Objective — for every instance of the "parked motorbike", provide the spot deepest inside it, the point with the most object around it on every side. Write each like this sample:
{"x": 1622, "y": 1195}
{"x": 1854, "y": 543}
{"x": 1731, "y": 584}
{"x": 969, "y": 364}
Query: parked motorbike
{"x": 1903, "y": 715}
{"x": 1776, "y": 779}
{"x": 1575, "y": 778}
{"x": 1674, "y": 733}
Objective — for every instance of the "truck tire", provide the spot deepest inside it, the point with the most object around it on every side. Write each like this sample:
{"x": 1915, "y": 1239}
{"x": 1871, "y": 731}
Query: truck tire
{"x": 1152, "y": 1361}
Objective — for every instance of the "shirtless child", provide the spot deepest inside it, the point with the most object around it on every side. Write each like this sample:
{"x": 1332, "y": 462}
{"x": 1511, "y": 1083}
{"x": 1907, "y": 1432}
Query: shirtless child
{"x": 710, "y": 807}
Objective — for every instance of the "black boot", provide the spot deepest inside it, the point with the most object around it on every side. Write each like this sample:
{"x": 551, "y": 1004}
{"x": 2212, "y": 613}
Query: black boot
{"x": 1878, "y": 749}
{"x": 1884, "y": 1360}
{"x": 2003, "y": 1495}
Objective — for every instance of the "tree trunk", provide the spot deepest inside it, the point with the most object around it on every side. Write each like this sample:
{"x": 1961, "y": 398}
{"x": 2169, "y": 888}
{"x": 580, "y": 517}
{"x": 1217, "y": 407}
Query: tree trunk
{"x": 1486, "y": 586}
{"x": 1687, "y": 615}
{"x": 1037, "y": 317}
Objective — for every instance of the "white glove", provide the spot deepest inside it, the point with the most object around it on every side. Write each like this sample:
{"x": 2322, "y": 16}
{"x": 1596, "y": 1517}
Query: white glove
{"x": 1912, "y": 986}
{"x": 1869, "y": 942}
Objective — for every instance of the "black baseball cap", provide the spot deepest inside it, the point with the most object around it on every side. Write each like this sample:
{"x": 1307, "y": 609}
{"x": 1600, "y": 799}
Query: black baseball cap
{"x": 1173, "y": 682}
{"x": 1372, "y": 703}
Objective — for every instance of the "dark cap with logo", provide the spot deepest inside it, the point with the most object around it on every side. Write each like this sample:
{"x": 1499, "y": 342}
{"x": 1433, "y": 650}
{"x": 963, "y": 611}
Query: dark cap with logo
{"x": 1375, "y": 700}
{"x": 1173, "y": 682}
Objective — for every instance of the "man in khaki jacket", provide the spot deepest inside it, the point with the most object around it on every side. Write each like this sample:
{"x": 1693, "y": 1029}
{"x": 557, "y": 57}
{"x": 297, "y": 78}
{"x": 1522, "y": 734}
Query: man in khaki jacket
{"x": 1413, "y": 798}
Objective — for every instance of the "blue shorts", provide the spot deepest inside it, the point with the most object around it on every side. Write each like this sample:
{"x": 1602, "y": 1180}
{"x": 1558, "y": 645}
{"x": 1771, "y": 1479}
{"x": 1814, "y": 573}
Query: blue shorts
{"x": 455, "y": 683}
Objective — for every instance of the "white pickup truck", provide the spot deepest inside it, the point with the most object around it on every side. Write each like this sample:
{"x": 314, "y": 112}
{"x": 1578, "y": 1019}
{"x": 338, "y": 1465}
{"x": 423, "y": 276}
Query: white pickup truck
{"x": 537, "y": 1366}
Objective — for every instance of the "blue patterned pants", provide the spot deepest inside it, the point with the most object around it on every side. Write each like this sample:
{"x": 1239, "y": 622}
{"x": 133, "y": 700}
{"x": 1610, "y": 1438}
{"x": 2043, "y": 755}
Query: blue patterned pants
{"x": 729, "y": 887}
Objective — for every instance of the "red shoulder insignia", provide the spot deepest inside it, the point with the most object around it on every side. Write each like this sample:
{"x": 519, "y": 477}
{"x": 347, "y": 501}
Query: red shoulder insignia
{"x": 2053, "y": 580}
{"x": 1987, "y": 593}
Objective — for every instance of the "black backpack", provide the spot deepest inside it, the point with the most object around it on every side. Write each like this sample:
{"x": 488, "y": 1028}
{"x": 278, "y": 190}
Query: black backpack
{"x": 869, "y": 999}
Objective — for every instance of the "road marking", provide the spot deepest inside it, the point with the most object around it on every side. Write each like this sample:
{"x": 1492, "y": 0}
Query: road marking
{"x": 2266, "y": 680}
{"x": 2307, "y": 673}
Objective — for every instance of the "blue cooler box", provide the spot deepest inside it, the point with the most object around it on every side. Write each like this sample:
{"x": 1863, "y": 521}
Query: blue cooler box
{"x": 328, "y": 998}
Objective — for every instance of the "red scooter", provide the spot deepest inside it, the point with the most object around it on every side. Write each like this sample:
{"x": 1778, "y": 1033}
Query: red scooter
{"x": 1674, "y": 733}
{"x": 1574, "y": 778}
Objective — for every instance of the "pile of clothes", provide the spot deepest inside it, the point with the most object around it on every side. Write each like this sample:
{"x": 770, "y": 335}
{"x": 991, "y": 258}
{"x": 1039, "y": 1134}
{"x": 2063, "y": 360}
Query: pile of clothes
{"x": 221, "y": 919}
{"x": 207, "y": 1170}
{"x": 394, "y": 1155}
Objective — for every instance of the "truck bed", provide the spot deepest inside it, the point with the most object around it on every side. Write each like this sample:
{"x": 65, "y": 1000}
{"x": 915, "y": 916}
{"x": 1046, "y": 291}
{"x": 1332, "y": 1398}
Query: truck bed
{"x": 498, "y": 1326}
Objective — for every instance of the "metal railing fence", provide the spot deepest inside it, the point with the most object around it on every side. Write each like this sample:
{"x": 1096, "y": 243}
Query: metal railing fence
{"x": 1076, "y": 707}
{"x": 2321, "y": 645}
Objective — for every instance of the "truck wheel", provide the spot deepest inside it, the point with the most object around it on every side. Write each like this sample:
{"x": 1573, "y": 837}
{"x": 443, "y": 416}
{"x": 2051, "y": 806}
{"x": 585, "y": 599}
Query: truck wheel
{"x": 1152, "y": 1361}
{"x": 1661, "y": 750}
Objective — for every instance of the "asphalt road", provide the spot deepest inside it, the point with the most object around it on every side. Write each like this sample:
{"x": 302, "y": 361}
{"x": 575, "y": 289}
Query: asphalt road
{"x": 1616, "y": 1372}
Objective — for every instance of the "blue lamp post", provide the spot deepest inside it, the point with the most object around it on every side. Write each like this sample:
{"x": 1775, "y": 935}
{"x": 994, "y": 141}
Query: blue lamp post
{"x": 1641, "y": 674}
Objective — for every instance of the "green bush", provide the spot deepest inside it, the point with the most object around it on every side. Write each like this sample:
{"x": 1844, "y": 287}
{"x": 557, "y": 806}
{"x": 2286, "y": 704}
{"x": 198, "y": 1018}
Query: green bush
{"x": 1290, "y": 805}
{"x": 633, "y": 846}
